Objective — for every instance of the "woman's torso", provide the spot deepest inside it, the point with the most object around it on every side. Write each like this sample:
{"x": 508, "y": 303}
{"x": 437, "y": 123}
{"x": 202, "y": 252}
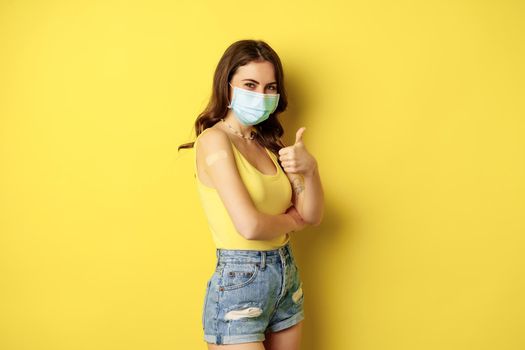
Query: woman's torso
{"x": 270, "y": 191}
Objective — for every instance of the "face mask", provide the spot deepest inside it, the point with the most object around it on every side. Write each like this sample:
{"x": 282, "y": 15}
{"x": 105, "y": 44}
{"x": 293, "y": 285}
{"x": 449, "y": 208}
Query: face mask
{"x": 252, "y": 107}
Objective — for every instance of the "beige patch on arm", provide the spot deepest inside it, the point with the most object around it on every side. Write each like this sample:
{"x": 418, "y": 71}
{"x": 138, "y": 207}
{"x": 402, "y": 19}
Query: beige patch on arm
{"x": 214, "y": 157}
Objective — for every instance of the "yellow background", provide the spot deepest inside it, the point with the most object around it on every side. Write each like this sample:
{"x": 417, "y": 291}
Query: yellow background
{"x": 414, "y": 111}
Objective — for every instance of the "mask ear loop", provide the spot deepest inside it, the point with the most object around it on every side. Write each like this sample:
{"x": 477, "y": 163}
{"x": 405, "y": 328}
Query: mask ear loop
{"x": 229, "y": 102}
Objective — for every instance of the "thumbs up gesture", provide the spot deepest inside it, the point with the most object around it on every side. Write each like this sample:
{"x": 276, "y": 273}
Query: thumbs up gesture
{"x": 296, "y": 159}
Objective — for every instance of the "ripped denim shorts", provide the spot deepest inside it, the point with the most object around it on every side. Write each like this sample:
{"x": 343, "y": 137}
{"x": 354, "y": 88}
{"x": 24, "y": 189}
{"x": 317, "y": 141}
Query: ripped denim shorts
{"x": 250, "y": 293}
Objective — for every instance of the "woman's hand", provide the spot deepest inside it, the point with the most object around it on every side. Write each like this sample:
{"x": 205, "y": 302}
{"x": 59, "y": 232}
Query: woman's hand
{"x": 300, "y": 223}
{"x": 296, "y": 159}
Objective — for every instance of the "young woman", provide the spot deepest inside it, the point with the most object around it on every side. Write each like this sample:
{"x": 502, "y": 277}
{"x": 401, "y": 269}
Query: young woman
{"x": 254, "y": 192}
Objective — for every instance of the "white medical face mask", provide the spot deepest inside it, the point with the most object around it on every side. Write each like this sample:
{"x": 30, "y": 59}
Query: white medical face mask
{"x": 252, "y": 107}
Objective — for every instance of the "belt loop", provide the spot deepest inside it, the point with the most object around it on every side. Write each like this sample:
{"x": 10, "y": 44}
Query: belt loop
{"x": 263, "y": 259}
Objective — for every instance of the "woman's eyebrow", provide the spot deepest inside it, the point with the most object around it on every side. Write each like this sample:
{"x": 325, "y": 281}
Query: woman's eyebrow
{"x": 256, "y": 82}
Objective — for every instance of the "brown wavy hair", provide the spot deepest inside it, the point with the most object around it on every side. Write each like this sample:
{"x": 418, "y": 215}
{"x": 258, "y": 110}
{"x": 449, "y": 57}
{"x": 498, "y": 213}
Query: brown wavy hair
{"x": 238, "y": 54}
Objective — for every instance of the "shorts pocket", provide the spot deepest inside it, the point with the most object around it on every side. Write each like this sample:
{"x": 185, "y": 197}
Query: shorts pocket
{"x": 236, "y": 276}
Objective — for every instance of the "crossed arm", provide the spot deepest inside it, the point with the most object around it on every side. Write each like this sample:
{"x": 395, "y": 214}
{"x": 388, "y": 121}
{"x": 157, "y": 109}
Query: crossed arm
{"x": 215, "y": 154}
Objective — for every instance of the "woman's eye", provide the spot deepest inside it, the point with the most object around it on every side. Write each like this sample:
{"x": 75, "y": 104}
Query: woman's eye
{"x": 250, "y": 84}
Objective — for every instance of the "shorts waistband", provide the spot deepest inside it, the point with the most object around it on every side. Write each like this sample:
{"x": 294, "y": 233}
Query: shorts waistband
{"x": 260, "y": 256}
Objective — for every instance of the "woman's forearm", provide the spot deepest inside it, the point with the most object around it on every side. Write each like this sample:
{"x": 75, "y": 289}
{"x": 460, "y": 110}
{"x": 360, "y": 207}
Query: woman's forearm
{"x": 270, "y": 226}
{"x": 310, "y": 201}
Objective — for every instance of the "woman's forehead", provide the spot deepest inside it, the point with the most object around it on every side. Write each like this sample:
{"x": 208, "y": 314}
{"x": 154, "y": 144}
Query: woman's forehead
{"x": 263, "y": 72}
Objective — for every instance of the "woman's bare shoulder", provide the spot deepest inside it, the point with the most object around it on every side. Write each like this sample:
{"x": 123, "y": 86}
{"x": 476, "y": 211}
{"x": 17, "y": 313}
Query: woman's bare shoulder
{"x": 213, "y": 137}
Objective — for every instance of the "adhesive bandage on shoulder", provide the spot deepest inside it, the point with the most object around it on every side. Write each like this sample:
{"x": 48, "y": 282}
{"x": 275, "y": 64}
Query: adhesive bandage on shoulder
{"x": 212, "y": 158}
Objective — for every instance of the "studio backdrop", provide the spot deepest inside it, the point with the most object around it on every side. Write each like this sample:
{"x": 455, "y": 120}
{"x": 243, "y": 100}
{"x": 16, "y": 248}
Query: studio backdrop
{"x": 414, "y": 111}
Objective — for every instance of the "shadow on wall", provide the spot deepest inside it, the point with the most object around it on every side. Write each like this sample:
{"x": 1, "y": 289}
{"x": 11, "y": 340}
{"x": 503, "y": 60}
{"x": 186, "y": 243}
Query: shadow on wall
{"x": 311, "y": 246}
{"x": 314, "y": 245}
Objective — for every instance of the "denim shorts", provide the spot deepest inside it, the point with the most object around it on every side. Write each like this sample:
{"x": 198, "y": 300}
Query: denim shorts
{"x": 251, "y": 292}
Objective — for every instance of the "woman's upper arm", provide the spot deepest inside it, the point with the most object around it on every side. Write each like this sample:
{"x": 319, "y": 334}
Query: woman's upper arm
{"x": 215, "y": 149}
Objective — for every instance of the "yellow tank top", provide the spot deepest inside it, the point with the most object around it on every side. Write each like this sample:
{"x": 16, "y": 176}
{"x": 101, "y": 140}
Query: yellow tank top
{"x": 271, "y": 194}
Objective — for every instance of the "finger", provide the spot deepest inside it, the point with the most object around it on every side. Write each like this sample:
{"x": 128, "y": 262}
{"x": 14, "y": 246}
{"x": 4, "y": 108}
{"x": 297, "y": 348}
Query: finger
{"x": 286, "y": 164}
{"x": 286, "y": 157}
{"x": 299, "y": 135}
{"x": 290, "y": 169}
{"x": 285, "y": 150}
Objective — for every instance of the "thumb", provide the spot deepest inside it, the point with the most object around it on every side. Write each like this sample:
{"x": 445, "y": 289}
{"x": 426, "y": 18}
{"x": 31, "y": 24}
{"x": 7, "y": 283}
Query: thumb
{"x": 299, "y": 135}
